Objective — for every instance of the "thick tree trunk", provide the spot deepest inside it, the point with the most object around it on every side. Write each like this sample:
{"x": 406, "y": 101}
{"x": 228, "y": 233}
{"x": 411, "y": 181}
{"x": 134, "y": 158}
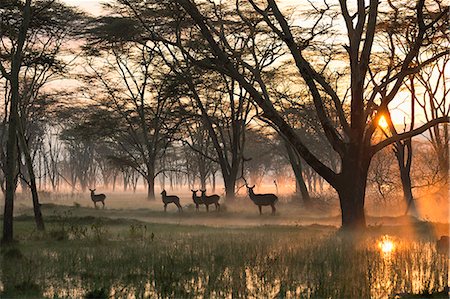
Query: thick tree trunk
{"x": 230, "y": 186}
{"x": 352, "y": 206}
{"x": 351, "y": 188}
{"x": 150, "y": 188}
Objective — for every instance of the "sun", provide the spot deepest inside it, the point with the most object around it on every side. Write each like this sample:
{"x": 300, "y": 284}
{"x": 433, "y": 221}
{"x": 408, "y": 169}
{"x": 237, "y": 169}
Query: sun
{"x": 382, "y": 122}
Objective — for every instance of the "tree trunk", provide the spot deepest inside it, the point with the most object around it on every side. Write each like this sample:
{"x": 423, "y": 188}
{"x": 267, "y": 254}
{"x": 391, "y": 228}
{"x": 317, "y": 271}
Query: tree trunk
{"x": 411, "y": 208}
{"x": 150, "y": 178}
{"x": 351, "y": 188}
{"x": 11, "y": 170}
{"x": 114, "y": 181}
{"x": 214, "y": 182}
{"x": 125, "y": 181}
{"x": 297, "y": 168}
{"x": 202, "y": 174}
{"x": 150, "y": 188}
{"x": 203, "y": 182}
{"x": 32, "y": 183}
{"x": 405, "y": 174}
{"x": 352, "y": 206}
{"x": 230, "y": 186}
{"x": 11, "y": 145}
{"x": 443, "y": 155}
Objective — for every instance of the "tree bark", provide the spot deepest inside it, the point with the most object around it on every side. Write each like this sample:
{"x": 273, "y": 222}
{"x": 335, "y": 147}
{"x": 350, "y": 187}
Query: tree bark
{"x": 402, "y": 150}
{"x": 32, "y": 183}
{"x": 11, "y": 145}
{"x": 11, "y": 169}
{"x": 150, "y": 188}
{"x": 150, "y": 178}
{"x": 230, "y": 187}
{"x": 202, "y": 173}
{"x": 351, "y": 188}
{"x": 297, "y": 168}
{"x": 214, "y": 182}
{"x": 351, "y": 200}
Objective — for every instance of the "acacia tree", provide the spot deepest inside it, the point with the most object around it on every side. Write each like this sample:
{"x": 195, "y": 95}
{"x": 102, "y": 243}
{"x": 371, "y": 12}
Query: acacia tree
{"x": 369, "y": 93}
{"x": 225, "y": 116}
{"x": 132, "y": 84}
{"x": 397, "y": 36}
{"x": 223, "y": 104}
{"x": 11, "y": 148}
{"x": 32, "y": 39}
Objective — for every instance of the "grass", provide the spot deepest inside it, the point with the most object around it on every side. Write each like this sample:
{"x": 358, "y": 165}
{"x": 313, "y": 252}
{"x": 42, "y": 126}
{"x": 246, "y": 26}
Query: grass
{"x": 101, "y": 253}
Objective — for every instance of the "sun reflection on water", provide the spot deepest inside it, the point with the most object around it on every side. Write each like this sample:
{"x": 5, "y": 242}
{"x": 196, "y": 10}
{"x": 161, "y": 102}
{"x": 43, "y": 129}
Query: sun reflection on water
{"x": 380, "y": 267}
{"x": 386, "y": 245}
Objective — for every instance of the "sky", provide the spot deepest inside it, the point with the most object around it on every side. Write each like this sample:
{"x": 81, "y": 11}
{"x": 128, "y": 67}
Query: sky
{"x": 400, "y": 108}
{"x": 91, "y": 6}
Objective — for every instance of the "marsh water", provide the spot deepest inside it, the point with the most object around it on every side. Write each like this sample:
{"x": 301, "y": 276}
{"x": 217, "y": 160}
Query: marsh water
{"x": 201, "y": 262}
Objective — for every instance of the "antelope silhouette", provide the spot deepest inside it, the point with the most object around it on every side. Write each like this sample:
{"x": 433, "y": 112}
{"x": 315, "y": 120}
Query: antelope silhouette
{"x": 170, "y": 199}
{"x": 97, "y": 197}
{"x": 210, "y": 199}
{"x": 262, "y": 199}
{"x": 197, "y": 199}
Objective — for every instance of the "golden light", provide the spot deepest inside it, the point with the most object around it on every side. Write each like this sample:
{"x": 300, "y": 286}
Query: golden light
{"x": 386, "y": 245}
{"x": 382, "y": 122}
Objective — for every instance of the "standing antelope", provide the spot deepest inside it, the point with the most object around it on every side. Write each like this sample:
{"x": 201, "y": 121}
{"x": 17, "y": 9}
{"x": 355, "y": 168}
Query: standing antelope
{"x": 262, "y": 199}
{"x": 97, "y": 197}
{"x": 197, "y": 199}
{"x": 210, "y": 199}
{"x": 170, "y": 199}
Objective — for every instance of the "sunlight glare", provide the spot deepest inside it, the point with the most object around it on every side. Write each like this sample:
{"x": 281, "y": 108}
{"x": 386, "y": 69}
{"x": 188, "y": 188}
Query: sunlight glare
{"x": 382, "y": 122}
{"x": 386, "y": 245}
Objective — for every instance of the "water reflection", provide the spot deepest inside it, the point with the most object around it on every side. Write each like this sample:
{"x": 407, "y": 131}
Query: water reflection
{"x": 328, "y": 269}
{"x": 386, "y": 245}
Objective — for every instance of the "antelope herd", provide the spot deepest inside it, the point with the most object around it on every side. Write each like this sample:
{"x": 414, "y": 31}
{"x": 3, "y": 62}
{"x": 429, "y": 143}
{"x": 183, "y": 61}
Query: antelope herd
{"x": 259, "y": 200}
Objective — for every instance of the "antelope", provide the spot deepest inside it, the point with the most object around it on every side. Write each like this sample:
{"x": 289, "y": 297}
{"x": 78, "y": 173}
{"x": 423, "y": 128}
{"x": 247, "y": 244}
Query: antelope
{"x": 262, "y": 199}
{"x": 197, "y": 199}
{"x": 97, "y": 197}
{"x": 210, "y": 199}
{"x": 170, "y": 199}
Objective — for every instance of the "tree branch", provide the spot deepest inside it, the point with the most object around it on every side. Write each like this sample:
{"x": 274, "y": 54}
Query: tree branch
{"x": 412, "y": 133}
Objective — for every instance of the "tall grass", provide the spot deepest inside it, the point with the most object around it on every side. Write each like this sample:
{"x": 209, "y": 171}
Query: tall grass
{"x": 97, "y": 258}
